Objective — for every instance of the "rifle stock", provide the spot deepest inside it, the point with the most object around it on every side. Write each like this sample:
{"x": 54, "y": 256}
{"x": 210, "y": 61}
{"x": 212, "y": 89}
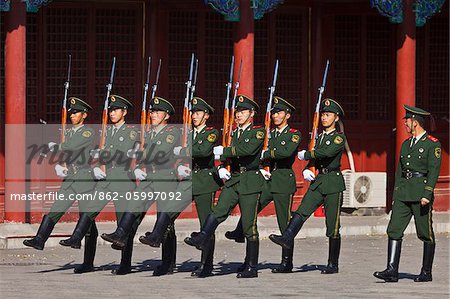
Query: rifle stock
{"x": 64, "y": 105}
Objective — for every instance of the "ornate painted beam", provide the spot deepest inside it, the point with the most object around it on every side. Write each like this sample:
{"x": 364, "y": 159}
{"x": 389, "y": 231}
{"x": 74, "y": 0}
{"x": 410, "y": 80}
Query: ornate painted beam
{"x": 393, "y": 9}
{"x": 230, "y": 8}
{"x": 32, "y": 5}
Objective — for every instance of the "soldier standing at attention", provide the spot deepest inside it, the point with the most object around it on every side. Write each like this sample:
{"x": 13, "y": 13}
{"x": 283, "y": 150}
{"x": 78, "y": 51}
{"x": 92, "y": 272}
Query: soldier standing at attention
{"x": 205, "y": 182}
{"x": 243, "y": 185}
{"x": 283, "y": 147}
{"x": 415, "y": 179}
{"x": 76, "y": 172}
{"x": 116, "y": 182}
{"x": 326, "y": 189}
{"x": 156, "y": 174}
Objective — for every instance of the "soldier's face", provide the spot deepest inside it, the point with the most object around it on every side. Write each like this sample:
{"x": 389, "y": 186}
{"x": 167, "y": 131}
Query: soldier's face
{"x": 243, "y": 117}
{"x": 78, "y": 118}
{"x": 280, "y": 118}
{"x": 158, "y": 117}
{"x": 199, "y": 118}
{"x": 328, "y": 119}
{"x": 117, "y": 115}
{"x": 410, "y": 125}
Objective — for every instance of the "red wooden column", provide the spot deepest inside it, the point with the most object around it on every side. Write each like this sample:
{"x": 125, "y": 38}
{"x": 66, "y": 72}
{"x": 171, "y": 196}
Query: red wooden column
{"x": 244, "y": 46}
{"x": 15, "y": 103}
{"x": 406, "y": 72}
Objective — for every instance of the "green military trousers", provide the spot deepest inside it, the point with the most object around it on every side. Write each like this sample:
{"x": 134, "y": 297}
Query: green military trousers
{"x": 332, "y": 204}
{"x": 401, "y": 215}
{"x": 283, "y": 205}
{"x": 248, "y": 204}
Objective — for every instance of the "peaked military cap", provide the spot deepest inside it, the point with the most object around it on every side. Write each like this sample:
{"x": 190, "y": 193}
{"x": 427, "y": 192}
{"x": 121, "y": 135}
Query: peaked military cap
{"x": 414, "y": 112}
{"x": 78, "y": 105}
{"x": 245, "y": 102}
{"x": 280, "y": 104}
{"x": 116, "y": 101}
{"x": 160, "y": 104}
{"x": 330, "y": 105}
{"x": 199, "y": 104}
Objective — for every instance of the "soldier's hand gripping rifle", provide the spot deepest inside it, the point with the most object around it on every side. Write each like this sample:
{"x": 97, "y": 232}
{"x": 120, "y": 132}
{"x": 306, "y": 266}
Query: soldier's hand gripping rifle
{"x": 187, "y": 100}
{"x": 154, "y": 89}
{"x": 105, "y": 110}
{"x": 267, "y": 118}
{"x": 226, "y": 111}
{"x": 312, "y": 142}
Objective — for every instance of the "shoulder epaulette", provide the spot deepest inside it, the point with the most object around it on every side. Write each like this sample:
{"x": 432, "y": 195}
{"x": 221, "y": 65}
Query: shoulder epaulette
{"x": 257, "y": 127}
{"x": 130, "y": 126}
{"x": 293, "y": 130}
{"x": 432, "y": 138}
{"x": 209, "y": 128}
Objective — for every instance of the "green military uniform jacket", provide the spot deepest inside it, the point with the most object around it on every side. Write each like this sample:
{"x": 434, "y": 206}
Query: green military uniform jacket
{"x": 158, "y": 158}
{"x": 423, "y": 157}
{"x": 76, "y": 150}
{"x": 118, "y": 165}
{"x": 282, "y": 152}
{"x": 205, "y": 178}
{"x": 326, "y": 158}
{"x": 244, "y": 154}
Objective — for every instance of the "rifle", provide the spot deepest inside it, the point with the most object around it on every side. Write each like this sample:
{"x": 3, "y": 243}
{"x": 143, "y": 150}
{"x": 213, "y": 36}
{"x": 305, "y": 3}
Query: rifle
{"x": 194, "y": 83}
{"x": 226, "y": 112}
{"x": 64, "y": 105}
{"x": 269, "y": 106}
{"x": 233, "y": 102}
{"x": 144, "y": 105}
{"x": 105, "y": 109}
{"x": 186, "y": 102}
{"x": 312, "y": 142}
{"x": 154, "y": 88}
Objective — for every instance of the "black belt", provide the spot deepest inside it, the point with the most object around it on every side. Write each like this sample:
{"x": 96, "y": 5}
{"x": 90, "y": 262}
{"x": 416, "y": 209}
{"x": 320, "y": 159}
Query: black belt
{"x": 75, "y": 168}
{"x": 327, "y": 170}
{"x": 276, "y": 166}
{"x": 413, "y": 174}
{"x": 200, "y": 167}
{"x": 243, "y": 169}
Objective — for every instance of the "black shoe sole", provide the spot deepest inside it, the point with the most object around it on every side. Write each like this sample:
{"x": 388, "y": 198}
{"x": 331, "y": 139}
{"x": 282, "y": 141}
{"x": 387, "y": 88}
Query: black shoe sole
{"x": 33, "y": 246}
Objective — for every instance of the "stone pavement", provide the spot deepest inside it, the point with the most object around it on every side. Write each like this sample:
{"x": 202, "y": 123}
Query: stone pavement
{"x": 12, "y": 235}
{"x": 28, "y": 273}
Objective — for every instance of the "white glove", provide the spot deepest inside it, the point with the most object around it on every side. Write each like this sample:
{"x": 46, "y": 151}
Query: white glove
{"x": 177, "y": 150}
{"x": 262, "y": 155}
{"x": 309, "y": 175}
{"x": 52, "y": 146}
{"x": 217, "y": 157}
{"x": 140, "y": 174}
{"x": 61, "y": 171}
{"x": 265, "y": 174}
{"x": 218, "y": 150}
{"x": 301, "y": 155}
{"x": 95, "y": 153}
{"x": 184, "y": 171}
{"x": 224, "y": 174}
{"x": 99, "y": 174}
{"x": 131, "y": 153}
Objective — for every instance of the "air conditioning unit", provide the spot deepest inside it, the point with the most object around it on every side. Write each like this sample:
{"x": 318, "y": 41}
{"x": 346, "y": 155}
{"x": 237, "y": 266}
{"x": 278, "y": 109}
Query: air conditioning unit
{"x": 364, "y": 189}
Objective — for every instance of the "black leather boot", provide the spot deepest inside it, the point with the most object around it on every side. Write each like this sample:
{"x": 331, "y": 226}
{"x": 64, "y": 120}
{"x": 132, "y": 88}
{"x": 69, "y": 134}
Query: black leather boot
{"x": 252, "y": 268}
{"x": 155, "y": 237}
{"x": 237, "y": 234}
{"x": 207, "y": 266}
{"x": 169, "y": 252}
{"x": 427, "y": 263}
{"x": 42, "y": 235}
{"x": 120, "y": 237}
{"x": 334, "y": 248}
{"x": 287, "y": 239}
{"x": 286, "y": 261}
{"x": 125, "y": 261}
{"x": 90, "y": 246}
{"x": 83, "y": 225}
{"x": 200, "y": 241}
{"x": 390, "y": 274}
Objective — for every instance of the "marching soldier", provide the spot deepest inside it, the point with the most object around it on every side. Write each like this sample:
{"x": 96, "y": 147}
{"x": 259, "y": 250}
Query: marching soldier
{"x": 325, "y": 189}
{"x": 415, "y": 180}
{"x": 155, "y": 173}
{"x": 243, "y": 185}
{"x": 115, "y": 182}
{"x": 283, "y": 147}
{"x": 205, "y": 182}
{"x": 76, "y": 172}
